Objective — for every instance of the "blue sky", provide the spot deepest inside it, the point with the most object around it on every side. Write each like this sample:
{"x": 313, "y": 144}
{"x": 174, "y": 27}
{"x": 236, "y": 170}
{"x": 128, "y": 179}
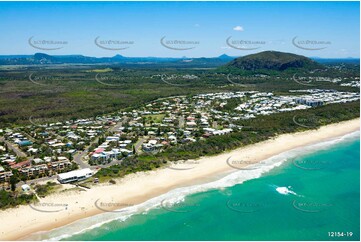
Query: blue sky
{"x": 334, "y": 26}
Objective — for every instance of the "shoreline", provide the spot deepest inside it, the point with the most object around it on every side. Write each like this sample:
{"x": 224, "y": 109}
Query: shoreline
{"x": 19, "y": 223}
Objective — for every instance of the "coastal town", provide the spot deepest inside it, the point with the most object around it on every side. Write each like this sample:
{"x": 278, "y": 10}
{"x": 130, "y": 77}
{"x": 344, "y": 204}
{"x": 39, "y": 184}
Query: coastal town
{"x": 78, "y": 148}
{"x": 180, "y": 121}
{"x": 343, "y": 82}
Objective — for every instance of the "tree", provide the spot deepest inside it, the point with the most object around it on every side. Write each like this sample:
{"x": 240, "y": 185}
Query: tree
{"x": 70, "y": 156}
{"x": 158, "y": 131}
{"x": 13, "y": 182}
{"x": 144, "y": 121}
{"x": 134, "y": 151}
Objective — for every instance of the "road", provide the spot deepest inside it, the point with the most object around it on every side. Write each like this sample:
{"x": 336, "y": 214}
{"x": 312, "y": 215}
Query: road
{"x": 11, "y": 146}
{"x": 181, "y": 122}
{"x": 139, "y": 143}
{"x": 43, "y": 179}
{"x": 29, "y": 137}
{"x": 79, "y": 157}
{"x": 119, "y": 124}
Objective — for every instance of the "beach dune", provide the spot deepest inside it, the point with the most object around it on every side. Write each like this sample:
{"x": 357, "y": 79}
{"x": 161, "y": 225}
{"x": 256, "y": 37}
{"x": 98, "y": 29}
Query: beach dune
{"x": 63, "y": 208}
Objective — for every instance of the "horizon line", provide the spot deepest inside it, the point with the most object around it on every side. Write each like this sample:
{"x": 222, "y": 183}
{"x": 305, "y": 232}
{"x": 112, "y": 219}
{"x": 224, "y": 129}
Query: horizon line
{"x": 174, "y": 57}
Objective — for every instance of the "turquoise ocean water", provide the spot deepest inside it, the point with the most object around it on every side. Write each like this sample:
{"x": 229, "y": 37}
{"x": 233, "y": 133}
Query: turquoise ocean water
{"x": 305, "y": 194}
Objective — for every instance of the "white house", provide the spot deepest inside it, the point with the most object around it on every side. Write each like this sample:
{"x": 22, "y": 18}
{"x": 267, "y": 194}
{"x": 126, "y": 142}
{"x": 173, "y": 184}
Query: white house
{"x": 76, "y": 175}
{"x": 25, "y": 187}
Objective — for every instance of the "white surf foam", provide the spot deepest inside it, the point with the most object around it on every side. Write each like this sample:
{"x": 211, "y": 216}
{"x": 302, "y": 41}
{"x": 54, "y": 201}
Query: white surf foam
{"x": 285, "y": 191}
{"x": 178, "y": 195}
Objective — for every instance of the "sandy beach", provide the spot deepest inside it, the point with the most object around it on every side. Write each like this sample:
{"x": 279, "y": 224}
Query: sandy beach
{"x": 18, "y": 223}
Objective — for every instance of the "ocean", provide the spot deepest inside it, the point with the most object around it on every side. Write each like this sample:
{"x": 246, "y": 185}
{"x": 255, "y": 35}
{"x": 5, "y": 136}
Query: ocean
{"x": 310, "y": 193}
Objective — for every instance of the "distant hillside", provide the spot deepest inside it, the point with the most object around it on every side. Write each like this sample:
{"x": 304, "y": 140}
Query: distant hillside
{"x": 266, "y": 61}
{"x": 225, "y": 57}
{"x": 273, "y": 61}
{"x": 42, "y": 59}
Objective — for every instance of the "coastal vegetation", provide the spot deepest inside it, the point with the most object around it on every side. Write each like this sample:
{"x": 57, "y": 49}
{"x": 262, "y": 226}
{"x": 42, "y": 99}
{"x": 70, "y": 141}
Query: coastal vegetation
{"x": 68, "y": 92}
{"x": 11, "y": 199}
{"x": 44, "y": 189}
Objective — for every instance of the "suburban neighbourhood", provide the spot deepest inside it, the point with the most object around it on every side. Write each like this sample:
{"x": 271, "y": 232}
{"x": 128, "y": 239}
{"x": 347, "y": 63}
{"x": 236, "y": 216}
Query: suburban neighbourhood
{"x": 43, "y": 150}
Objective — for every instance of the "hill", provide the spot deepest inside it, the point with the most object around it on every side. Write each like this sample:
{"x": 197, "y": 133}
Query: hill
{"x": 41, "y": 58}
{"x": 273, "y": 61}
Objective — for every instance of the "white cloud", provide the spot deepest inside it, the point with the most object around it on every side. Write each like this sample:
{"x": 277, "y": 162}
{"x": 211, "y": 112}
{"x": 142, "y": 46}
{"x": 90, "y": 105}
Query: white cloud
{"x": 238, "y": 28}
